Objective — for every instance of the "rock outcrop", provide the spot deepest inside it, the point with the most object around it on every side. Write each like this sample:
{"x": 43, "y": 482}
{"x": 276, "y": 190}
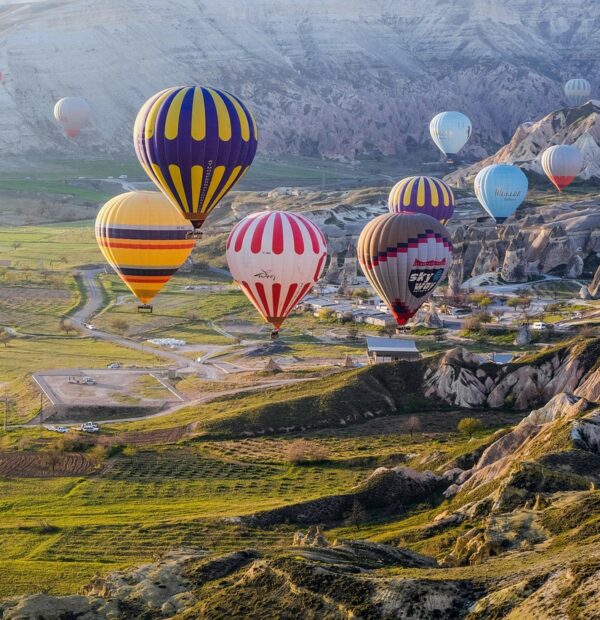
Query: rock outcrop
{"x": 461, "y": 379}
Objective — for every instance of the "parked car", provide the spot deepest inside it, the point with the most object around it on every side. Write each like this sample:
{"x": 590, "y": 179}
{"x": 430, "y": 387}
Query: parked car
{"x": 113, "y": 365}
{"x": 90, "y": 326}
{"x": 88, "y": 380}
{"x": 189, "y": 288}
{"x": 50, "y": 427}
{"x": 89, "y": 427}
{"x": 62, "y": 429}
{"x": 540, "y": 326}
{"x": 577, "y": 315}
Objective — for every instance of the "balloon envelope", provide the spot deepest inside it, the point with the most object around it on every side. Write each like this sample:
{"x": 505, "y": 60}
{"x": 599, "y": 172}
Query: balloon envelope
{"x": 143, "y": 238}
{"x": 72, "y": 113}
{"x": 501, "y": 188}
{"x": 404, "y": 257}
{"x": 422, "y": 194}
{"x": 578, "y": 91}
{"x": 195, "y": 143}
{"x": 276, "y": 257}
{"x": 450, "y": 131}
{"x": 562, "y": 163}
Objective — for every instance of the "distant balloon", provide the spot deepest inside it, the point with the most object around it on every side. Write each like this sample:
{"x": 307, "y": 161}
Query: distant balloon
{"x": 276, "y": 257}
{"x": 578, "y": 91}
{"x": 404, "y": 257}
{"x": 72, "y": 113}
{"x": 501, "y": 188}
{"x": 422, "y": 195}
{"x": 143, "y": 238}
{"x": 562, "y": 163}
{"x": 195, "y": 143}
{"x": 450, "y": 131}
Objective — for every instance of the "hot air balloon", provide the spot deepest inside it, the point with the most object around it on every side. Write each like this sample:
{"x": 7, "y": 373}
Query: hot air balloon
{"x": 578, "y": 91}
{"x": 144, "y": 239}
{"x": 501, "y": 188}
{"x": 404, "y": 257}
{"x": 72, "y": 113}
{"x": 195, "y": 143}
{"x": 276, "y": 258}
{"x": 450, "y": 131}
{"x": 422, "y": 195}
{"x": 562, "y": 163}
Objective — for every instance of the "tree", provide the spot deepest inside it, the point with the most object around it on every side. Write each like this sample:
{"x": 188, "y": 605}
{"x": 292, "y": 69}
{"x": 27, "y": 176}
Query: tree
{"x": 358, "y": 514}
{"x": 54, "y": 457}
{"x": 66, "y": 326}
{"x": 361, "y": 293}
{"x": 353, "y": 332}
{"x": 413, "y": 424}
{"x": 120, "y": 325}
{"x": 325, "y": 314}
{"x": 5, "y": 337}
{"x": 302, "y": 451}
{"x": 468, "y": 426}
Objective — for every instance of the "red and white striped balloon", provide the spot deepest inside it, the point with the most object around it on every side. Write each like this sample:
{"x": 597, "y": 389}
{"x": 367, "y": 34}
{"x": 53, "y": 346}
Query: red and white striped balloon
{"x": 276, "y": 257}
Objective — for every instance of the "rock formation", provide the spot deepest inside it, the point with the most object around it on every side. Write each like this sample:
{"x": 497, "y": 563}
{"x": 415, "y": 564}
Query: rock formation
{"x": 461, "y": 379}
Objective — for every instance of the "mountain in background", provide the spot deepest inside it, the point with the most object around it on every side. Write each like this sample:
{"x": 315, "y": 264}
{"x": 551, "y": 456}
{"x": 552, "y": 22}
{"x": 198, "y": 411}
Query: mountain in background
{"x": 333, "y": 78}
{"x": 577, "y": 126}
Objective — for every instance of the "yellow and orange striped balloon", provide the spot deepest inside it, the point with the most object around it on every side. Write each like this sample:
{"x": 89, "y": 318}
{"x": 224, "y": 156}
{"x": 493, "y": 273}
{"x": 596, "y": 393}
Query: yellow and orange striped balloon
{"x": 144, "y": 239}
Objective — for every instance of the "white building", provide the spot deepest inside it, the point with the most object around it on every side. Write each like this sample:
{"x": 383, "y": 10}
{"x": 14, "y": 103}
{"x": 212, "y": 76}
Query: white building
{"x": 382, "y": 350}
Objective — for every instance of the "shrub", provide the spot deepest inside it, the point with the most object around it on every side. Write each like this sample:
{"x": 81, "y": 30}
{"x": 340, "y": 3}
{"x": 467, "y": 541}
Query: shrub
{"x": 468, "y": 426}
{"x": 98, "y": 454}
{"x": 302, "y": 451}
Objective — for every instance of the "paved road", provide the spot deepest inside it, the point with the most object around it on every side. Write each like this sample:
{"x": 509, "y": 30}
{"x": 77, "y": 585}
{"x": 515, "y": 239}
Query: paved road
{"x": 94, "y": 303}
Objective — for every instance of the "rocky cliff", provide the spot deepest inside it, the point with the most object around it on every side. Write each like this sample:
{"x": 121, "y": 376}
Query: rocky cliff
{"x": 460, "y": 378}
{"x": 339, "y": 78}
{"x": 577, "y": 126}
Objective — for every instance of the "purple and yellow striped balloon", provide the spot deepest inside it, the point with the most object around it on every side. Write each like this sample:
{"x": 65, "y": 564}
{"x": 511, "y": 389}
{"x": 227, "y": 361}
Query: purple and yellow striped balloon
{"x": 422, "y": 194}
{"x": 195, "y": 143}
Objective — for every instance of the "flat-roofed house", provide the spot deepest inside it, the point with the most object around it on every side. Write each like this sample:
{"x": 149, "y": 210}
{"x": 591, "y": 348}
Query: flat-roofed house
{"x": 382, "y": 350}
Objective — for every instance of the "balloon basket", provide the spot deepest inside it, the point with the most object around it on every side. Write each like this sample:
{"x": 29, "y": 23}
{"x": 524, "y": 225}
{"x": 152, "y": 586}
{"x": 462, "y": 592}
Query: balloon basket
{"x": 275, "y": 334}
{"x": 145, "y": 309}
{"x": 194, "y": 234}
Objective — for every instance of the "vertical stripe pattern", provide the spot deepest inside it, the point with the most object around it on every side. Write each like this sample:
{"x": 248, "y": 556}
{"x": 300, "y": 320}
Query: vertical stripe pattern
{"x": 578, "y": 91}
{"x": 562, "y": 163}
{"x": 276, "y": 257}
{"x": 404, "y": 256}
{"x": 422, "y": 194}
{"x": 195, "y": 143}
{"x": 143, "y": 238}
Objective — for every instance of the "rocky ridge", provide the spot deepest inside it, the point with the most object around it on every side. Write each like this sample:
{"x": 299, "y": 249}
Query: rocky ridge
{"x": 461, "y": 379}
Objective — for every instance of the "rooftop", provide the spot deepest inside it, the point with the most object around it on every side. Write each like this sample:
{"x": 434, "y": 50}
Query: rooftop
{"x": 391, "y": 345}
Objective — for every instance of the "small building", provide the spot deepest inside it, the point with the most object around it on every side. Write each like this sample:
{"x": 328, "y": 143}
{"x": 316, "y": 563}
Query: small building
{"x": 382, "y": 350}
{"x": 381, "y": 319}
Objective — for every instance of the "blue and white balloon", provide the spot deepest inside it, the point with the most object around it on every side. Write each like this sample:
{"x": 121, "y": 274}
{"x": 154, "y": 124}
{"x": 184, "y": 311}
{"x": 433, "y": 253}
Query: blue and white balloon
{"x": 501, "y": 188}
{"x": 450, "y": 131}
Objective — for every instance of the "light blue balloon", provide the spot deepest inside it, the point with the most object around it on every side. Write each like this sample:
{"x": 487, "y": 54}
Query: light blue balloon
{"x": 501, "y": 188}
{"x": 450, "y": 131}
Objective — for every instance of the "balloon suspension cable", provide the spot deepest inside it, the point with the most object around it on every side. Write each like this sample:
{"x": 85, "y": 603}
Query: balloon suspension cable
{"x": 145, "y": 309}
{"x": 194, "y": 234}
{"x": 275, "y": 334}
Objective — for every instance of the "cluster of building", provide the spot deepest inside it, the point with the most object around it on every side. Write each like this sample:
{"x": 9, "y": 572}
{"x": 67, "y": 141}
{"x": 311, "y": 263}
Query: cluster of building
{"x": 371, "y": 311}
